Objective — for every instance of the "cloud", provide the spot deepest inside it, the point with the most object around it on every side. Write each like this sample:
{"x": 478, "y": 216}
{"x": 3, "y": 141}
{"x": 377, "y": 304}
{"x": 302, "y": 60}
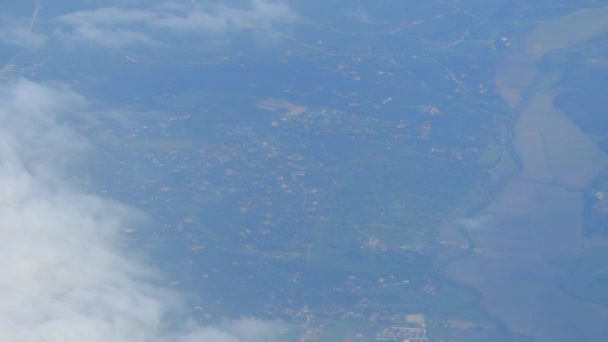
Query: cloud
{"x": 220, "y": 18}
{"x": 107, "y": 27}
{"x": 64, "y": 276}
{"x": 17, "y": 32}
{"x": 473, "y": 223}
{"x": 120, "y": 27}
{"x": 22, "y": 37}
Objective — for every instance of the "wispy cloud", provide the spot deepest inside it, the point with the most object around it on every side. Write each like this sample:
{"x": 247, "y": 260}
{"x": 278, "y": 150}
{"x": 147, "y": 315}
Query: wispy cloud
{"x": 22, "y": 37}
{"x": 119, "y": 27}
{"x": 16, "y": 32}
{"x": 64, "y": 276}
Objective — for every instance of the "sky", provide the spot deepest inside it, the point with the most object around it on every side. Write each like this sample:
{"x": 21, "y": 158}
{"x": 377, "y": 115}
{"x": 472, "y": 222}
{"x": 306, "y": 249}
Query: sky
{"x": 66, "y": 274}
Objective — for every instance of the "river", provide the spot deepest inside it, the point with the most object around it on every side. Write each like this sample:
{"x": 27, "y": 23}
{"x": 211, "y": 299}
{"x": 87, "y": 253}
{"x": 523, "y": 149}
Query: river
{"x": 530, "y": 235}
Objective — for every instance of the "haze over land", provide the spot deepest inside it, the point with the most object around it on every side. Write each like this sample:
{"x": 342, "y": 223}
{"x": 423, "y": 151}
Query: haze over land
{"x": 284, "y": 170}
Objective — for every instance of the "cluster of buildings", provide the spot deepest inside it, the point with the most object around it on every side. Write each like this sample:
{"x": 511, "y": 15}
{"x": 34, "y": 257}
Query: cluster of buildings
{"x": 411, "y": 329}
{"x": 402, "y": 333}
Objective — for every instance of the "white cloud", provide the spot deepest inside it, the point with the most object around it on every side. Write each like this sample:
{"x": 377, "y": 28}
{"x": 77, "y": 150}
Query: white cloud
{"x": 220, "y": 18}
{"x": 22, "y": 37}
{"x": 473, "y": 223}
{"x": 119, "y": 27}
{"x": 64, "y": 276}
{"x": 106, "y": 36}
{"x": 107, "y": 17}
{"x": 108, "y": 27}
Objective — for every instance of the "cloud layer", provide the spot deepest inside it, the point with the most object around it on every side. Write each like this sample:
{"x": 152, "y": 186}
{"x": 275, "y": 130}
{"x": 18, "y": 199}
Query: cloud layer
{"x": 64, "y": 276}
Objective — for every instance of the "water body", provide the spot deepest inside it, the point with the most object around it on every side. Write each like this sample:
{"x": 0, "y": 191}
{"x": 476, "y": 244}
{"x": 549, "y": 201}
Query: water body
{"x": 531, "y": 236}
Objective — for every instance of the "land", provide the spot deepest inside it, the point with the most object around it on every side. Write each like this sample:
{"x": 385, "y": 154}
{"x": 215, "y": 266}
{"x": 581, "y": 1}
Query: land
{"x": 331, "y": 186}
{"x": 534, "y": 224}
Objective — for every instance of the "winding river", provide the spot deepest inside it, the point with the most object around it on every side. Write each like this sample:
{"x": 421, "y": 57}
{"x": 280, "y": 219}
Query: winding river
{"x": 531, "y": 234}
